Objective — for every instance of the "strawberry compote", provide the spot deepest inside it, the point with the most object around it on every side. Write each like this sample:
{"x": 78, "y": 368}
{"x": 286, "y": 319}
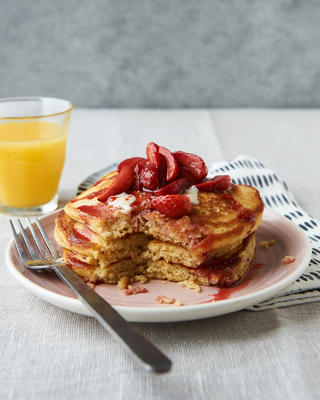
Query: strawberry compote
{"x": 164, "y": 178}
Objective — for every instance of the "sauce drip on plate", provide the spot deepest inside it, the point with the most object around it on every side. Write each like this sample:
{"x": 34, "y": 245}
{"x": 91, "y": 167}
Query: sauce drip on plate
{"x": 225, "y": 293}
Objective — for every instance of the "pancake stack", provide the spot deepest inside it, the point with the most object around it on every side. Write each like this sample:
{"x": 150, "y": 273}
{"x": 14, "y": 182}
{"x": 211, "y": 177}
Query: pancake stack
{"x": 106, "y": 238}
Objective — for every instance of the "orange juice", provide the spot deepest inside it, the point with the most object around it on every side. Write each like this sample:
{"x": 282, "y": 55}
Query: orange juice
{"x": 32, "y": 155}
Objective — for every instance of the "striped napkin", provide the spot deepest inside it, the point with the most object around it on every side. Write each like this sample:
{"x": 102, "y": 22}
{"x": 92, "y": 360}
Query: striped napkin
{"x": 276, "y": 196}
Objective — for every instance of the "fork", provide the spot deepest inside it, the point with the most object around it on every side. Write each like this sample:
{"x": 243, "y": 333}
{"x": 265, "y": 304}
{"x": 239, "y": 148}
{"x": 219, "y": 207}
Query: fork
{"x": 39, "y": 257}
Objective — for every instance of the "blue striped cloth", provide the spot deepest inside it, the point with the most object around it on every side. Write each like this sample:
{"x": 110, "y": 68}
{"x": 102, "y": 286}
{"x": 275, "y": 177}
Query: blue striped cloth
{"x": 276, "y": 196}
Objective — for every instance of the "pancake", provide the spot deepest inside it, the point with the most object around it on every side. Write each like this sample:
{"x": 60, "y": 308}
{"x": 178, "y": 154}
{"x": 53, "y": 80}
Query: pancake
{"x": 170, "y": 227}
{"x": 219, "y": 221}
{"x": 77, "y": 237}
{"x": 106, "y": 273}
{"x": 173, "y": 253}
{"x": 222, "y": 271}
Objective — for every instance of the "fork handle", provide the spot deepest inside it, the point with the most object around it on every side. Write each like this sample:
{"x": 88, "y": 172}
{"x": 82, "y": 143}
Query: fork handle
{"x": 151, "y": 357}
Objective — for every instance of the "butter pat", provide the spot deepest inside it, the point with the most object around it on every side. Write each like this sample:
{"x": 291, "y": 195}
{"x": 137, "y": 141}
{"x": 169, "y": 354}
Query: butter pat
{"x": 192, "y": 193}
{"x": 122, "y": 202}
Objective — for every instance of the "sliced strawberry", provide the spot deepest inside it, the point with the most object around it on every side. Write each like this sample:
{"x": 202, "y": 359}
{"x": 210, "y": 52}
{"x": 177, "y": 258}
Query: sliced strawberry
{"x": 158, "y": 161}
{"x": 124, "y": 180}
{"x": 185, "y": 172}
{"x": 149, "y": 177}
{"x": 172, "y": 165}
{"x": 130, "y": 162}
{"x": 195, "y": 163}
{"x": 151, "y": 150}
{"x": 172, "y": 206}
{"x": 137, "y": 170}
{"x": 175, "y": 187}
{"x": 217, "y": 184}
{"x": 162, "y": 169}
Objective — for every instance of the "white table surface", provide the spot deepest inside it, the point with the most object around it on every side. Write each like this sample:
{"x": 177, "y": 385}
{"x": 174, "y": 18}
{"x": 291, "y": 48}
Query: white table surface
{"x": 49, "y": 353}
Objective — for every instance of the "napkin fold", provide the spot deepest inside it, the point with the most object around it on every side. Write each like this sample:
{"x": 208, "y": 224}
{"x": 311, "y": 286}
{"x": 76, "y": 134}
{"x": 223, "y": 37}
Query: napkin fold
{"x": 276, "y": 196}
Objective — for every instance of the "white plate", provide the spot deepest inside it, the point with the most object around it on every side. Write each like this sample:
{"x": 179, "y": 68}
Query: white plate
{"x": 260, "y": 283}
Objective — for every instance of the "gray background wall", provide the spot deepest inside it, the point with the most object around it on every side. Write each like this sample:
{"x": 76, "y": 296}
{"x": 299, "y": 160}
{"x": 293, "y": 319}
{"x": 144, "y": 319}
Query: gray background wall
{"x": 162, "y": 53}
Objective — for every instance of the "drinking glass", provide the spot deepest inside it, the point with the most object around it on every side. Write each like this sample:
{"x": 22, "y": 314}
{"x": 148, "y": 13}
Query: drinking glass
{"x": 33, "y": 135}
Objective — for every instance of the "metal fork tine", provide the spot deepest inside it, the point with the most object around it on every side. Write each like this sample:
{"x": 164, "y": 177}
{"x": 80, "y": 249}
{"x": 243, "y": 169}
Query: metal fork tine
{"x": 27, "y": 242}
{"x": 41, "y": 248}
{"x": 45, "y": 238}
{"x": 18, "y": 244}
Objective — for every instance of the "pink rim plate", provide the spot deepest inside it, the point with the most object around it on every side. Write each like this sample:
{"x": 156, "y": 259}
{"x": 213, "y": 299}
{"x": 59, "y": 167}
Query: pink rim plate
{"x": 267, "y": 277}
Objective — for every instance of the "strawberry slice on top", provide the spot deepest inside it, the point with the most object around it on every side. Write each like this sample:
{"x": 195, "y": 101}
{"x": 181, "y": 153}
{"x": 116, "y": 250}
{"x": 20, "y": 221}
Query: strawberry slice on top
{"x": 217, "y": 184}
{"x": 175, "y": 187}
{"x": 157, "y": 160}
{"x": 195, "y": 163}
{"x": 165, "y": 175}
{"x": 172, "y": 165}
{"x": 173, "y": 206}
{"x": 151, "y": 150}
{"x": 123, "y": 181}
{"x": 130, "y": 162}
{"x": 149, "y": 177}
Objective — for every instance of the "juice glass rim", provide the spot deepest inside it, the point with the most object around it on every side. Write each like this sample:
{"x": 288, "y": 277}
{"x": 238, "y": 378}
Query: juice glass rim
{"x": 30, "y": 98}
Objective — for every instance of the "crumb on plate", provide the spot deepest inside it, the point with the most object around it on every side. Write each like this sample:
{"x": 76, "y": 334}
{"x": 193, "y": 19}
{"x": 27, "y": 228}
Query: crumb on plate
{"x": 134, "y": 290}
{"x": 265, "y": 244}
{"x": 190, "y": 284}
{"x": 165, "y": 300}
{"x": 288, "y": 260}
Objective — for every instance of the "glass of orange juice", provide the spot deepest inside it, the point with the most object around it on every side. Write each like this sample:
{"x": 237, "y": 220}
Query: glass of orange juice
{"x": 33, "y": 135}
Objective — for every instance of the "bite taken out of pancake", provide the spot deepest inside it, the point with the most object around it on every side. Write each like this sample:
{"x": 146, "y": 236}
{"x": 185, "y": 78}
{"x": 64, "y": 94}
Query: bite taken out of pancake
{"x": 161, "y": 217}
